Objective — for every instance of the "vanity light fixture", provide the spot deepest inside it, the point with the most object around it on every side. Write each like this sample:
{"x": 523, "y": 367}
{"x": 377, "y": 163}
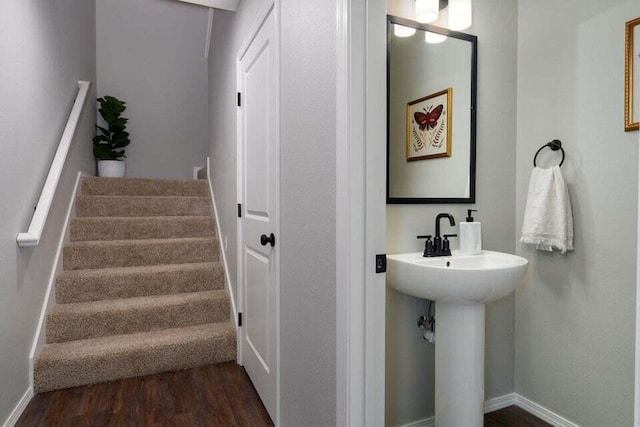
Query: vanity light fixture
{"x": 406, "y": 10}
{"x": 460, "y": 15}
{"x": 435, "y": 38}
{"x": 427, "y": 11}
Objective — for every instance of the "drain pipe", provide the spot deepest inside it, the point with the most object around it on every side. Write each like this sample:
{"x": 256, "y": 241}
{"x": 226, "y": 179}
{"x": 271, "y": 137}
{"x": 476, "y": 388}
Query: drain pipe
{"x": 427, "y": 324}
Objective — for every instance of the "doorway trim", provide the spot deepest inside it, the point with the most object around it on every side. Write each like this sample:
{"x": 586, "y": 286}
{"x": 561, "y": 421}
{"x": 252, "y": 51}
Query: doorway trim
{"x": 360, "y": 212}
{"x": 271, "y": 7}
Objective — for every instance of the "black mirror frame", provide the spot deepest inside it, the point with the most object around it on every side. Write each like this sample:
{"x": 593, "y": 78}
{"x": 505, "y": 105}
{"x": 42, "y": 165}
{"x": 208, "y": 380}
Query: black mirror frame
{"x": 474, "y": 98}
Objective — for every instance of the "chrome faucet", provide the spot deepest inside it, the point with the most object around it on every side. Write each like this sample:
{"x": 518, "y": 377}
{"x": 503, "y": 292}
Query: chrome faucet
{"x": 440, "y": 244}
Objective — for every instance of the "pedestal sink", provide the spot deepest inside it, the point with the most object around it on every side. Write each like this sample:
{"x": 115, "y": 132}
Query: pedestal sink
{"x": 460, "y": 285}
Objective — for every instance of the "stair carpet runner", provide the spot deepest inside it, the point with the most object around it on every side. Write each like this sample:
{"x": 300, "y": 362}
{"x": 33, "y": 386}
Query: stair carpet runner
{"x": 142, "y": 286}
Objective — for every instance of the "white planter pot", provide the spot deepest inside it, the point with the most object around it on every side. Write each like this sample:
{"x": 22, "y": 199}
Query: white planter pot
{"x": 112, "y": 168}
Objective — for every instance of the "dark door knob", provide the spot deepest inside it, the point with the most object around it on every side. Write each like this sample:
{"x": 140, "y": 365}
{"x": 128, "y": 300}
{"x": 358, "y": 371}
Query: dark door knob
{"x": 270, "y": 240}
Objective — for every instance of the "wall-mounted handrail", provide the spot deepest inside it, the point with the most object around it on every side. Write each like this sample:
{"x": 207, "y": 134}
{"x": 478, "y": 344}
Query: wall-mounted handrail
{"x": 32, "y": 237}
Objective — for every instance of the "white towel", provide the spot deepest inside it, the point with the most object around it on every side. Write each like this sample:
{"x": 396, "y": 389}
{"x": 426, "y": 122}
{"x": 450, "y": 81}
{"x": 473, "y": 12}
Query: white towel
{"x": 548, "y": 220}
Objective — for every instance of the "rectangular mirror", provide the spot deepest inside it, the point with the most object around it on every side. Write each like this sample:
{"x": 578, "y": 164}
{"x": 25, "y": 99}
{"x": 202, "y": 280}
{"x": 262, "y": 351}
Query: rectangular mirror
{"x": 431, "y": 114}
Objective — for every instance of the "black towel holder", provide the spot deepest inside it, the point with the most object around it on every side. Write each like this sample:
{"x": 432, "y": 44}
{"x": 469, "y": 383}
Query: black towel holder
{"x": 555, "y": 145}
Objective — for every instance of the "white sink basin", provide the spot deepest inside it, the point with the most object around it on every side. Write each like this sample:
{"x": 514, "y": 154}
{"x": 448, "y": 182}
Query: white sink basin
{"x": 456, "y": 279}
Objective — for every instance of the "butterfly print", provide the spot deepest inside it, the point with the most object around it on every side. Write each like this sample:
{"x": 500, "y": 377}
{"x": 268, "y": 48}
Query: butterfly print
{"x": 428, "y": 119}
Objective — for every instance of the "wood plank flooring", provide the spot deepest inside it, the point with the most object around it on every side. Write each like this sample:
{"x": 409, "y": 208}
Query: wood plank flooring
{"x": 217, "y": 395}
{"x": 513, "y": 416}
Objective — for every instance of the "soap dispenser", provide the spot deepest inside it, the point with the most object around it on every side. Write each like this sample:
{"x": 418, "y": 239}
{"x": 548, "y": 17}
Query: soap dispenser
{"x": 470, "y": 235}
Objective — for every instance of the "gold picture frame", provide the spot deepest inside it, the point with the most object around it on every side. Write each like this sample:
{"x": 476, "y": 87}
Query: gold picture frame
{"x": 429, "y": 123}
{"x": 632, "y": 67}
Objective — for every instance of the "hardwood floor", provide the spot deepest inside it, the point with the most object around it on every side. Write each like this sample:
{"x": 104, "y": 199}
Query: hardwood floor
{"x": 218, "y": 395}
{"x": 513, "y": 417}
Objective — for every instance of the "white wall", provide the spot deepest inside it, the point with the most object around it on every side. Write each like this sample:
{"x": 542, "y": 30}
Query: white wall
{"x": 308, "y": 209}
{"x": 150, "y": 53}
{"x": 575, "y": 313}
{"x": 410, "y": 359}
{"x": 46, "y": 47}
{"x": 307, "y": 240}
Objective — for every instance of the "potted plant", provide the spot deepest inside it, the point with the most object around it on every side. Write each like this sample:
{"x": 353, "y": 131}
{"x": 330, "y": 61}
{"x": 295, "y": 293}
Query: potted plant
{"x": 108, "y": 145}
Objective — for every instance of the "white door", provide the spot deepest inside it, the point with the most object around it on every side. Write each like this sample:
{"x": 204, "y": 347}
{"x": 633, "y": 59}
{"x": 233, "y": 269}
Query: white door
{"x": 258, "y": 194}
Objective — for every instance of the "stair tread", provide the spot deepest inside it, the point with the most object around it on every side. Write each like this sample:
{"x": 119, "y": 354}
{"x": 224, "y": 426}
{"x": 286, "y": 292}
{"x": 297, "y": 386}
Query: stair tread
{"x": 121, "y": 271}
{"x": 143, "y": 218}
{"x": 140, "y": 227}
{"x": 120, "y": 344}
{"x": 136, "y": 303}
{"x": 134, "y": 242}
{"x": 98, "y": 185}
{"x": 150, "y": 180}
{"x": 135, "y": 196}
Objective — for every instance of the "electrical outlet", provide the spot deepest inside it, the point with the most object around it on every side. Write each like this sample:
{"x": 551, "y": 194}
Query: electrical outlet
{"x": 226, "y": 243}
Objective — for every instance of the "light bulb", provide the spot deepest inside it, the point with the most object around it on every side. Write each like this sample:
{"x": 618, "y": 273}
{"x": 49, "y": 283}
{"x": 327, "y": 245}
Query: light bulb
{"x": 427, "y": 10}
{"x": 442, "y": 22}
{"x": 434, "y": 38}
{"x": 460, "y": 16}
{"x": 402, "y": 31}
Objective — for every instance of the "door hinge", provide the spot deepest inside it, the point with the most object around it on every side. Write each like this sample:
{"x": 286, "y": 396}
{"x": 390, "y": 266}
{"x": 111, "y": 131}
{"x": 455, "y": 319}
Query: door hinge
{"x": 381, "y": 263}
{"x": 239, "y": 99}
{"x": 239, "y": 319}
{"x": 239, "y": 210}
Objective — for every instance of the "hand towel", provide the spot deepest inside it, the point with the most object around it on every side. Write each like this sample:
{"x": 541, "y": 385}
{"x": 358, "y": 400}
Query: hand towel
{"x": 548, "y": 219}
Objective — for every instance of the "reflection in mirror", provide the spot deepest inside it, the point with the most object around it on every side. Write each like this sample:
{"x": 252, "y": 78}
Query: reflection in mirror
{"x": 431, "y": 115}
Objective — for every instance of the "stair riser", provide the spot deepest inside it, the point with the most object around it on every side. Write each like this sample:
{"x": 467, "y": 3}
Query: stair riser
{"x": 105, "y": 228}
{"x": 136, "y": 362}
{"x": 123, "y": 206}
{"x": 89, "y": 257}
{"x": 65, "y": 326}
{"x": 70, "y": 289}
{"x": 143, "y": 187}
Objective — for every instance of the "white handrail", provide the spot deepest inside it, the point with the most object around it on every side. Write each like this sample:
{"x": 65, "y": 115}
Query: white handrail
{"x": 32, "y": 237}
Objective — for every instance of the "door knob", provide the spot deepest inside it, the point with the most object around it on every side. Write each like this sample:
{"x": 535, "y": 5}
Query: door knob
{"x": 271, "y": 240}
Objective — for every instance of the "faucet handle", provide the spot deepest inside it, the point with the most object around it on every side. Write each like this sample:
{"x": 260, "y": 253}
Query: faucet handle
{"x": 428, "y": 237}
{"x": 445, "y": 243}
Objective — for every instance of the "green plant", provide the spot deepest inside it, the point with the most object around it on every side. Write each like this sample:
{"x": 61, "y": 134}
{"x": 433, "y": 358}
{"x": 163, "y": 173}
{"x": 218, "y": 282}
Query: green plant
{"x": 110, "y": 142}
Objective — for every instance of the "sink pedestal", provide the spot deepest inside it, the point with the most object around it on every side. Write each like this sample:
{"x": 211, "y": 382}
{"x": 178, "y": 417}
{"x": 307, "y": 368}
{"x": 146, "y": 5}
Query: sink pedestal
{"x": 459, "y": 365}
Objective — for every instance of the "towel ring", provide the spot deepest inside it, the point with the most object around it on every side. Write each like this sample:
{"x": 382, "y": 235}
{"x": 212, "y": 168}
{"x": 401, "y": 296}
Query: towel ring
{"x": 555, "y": 145}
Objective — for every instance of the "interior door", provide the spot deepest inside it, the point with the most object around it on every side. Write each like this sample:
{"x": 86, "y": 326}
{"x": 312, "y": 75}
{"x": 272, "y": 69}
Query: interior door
{"x": 258, "y": 123}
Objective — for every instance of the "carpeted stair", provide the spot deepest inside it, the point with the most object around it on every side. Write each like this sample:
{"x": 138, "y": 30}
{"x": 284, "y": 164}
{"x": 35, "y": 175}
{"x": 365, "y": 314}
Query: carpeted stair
{"x": 142, "y": 287}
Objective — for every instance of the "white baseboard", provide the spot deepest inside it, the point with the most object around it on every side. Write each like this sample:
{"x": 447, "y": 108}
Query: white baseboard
{"x": 40, "y": 336}
{"x": 543, "y": 413}
{"x": 505, "y": 401}
{"x": 426, "y": 422}
{"x": 14, "y": 416}
{"x": 499, "y": 402}
{"x": 227, "y": 280}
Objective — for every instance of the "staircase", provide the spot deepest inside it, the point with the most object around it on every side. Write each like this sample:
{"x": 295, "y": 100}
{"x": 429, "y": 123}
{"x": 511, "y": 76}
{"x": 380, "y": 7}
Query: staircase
{"x": 142, "y": 287}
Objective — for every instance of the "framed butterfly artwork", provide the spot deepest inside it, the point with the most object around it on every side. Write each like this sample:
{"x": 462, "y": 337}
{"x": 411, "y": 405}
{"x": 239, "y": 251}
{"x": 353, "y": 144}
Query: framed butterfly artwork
{"x": 429, "y": 124}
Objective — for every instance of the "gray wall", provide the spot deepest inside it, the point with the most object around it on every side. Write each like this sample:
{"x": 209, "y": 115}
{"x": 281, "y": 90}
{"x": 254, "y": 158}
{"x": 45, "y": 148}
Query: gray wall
{"x": 46, "y": 48}
{"x": 410, "y": 359}
{"x": 575, "y": 313}
{"x": 307, "y": 207}
{"x": 150, "y": 53}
